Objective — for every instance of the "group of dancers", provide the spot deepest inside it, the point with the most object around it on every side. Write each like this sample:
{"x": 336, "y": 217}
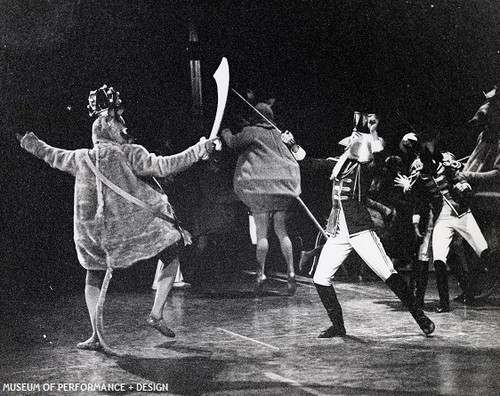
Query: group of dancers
{"x": 120, "y": 219}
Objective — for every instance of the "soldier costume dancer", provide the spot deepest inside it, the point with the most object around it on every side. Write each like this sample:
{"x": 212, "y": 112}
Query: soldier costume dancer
{"x": 435, "y": 180}
{"x": 423, "y": 226}
{"x": 119, "y": 219}
{"x": 350, "y": 227}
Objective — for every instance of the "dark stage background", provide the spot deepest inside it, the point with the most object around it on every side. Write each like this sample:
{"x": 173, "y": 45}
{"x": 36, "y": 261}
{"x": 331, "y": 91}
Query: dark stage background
{"x": 421, "y": 64}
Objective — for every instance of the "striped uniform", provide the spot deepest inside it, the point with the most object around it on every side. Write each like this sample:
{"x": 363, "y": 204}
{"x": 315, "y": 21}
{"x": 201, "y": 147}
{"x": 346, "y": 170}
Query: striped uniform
{"x": 450, "y": 212}
{"x": 350, "y": 225}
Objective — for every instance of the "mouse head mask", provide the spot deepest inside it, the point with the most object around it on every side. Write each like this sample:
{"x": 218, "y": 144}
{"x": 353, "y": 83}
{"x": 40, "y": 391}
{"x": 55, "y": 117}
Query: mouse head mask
{"x": 106, "y": 106}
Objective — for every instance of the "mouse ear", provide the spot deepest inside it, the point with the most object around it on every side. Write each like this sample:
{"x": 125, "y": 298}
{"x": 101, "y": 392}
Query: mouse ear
{"x": 250, "y": 95}
{"x": 270, "y": 101}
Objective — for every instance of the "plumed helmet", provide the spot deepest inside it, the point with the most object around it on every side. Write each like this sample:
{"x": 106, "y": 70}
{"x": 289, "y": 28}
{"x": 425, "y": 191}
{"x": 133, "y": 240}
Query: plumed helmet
{"x": 408, "y": 142}
{"x": 103, "y": 100}
{"x": 360, "y": 121}
{"x": 364, "y": 120}
{"x": 491, "y": 94}
{"x": 393, "y": 163}
{"x": 360, "y": 146}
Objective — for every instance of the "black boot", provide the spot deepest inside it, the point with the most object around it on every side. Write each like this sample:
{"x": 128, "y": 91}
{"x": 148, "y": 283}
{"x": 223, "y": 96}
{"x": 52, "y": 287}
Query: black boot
{"x": 477, "y": 270}
{"x": 442, "y": 286}
{"x": 398, "y": 285}
{"x": 329, "y": 299}
{"x": 463, "y": 278}
{"x": 421, "y": 276}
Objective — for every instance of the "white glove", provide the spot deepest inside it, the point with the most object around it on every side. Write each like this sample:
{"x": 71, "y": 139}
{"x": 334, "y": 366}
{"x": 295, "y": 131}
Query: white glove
{"x": 404, "y": 182}
{"x": 287, "y": 138}
{"x": 463, "y": 186}
{"x": 210, "y": 146}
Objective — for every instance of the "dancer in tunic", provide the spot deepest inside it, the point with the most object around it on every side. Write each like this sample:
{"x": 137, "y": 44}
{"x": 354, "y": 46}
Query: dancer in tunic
{"x": 266, "y": 180}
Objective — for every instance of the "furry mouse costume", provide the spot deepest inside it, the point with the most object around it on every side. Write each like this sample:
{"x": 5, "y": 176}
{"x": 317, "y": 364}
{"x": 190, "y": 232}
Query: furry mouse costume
{"x": 118, "y": 218}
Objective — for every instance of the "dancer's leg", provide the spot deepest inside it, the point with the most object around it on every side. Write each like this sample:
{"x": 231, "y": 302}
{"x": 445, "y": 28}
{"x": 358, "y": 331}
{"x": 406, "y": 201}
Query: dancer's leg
{"x": 286, "y": 248}
{"x": 334, "y": 252}
{"x": 262, "y": 221}
{"x": 370, "y": 249}
{"x": 170, "y": 260}
{"x": 421, "y": 276}
{"x": 159, "y": 268}
{"x": 93, "y": 282}
{"x": 165, "y": 283}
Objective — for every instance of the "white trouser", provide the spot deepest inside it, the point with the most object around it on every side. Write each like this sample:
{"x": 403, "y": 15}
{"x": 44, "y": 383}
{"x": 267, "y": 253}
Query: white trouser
{"x": 336, "y": 249}
{"x": 447, "y": 224}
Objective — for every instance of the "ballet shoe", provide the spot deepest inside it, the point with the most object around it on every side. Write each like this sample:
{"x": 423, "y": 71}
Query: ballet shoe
{"x": 90, "y": 345}
{"x": 161, "y": 326}
{"x": 291, "y": 285}
{"x": 259, "y": 284}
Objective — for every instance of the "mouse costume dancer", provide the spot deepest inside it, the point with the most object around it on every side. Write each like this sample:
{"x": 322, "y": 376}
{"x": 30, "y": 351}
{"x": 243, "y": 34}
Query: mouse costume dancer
{"x": 435, "y": 180}
{"x": 118, "y": 218}
{"x": 350, "y": 227}
{"x": 482, "y": 171}
{"x": 266, "y": 180}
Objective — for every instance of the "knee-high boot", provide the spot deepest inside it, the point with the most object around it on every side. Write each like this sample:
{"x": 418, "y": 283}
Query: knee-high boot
{"x": 442, "y": 286}
{"x": 421, "y": 276}
{"x": 398, "y": 285}
{"x": 329, "y": 299}
{"x": 476, "y": 271}
{"x": 463, "y": 278}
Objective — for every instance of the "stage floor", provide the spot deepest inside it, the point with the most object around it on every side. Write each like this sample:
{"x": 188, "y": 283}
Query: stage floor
{"x": 230, "y": 343}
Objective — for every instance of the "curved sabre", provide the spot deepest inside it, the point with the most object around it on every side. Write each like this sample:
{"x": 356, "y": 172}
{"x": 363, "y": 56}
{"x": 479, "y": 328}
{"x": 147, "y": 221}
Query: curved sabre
{"x": 221, "y": 77}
